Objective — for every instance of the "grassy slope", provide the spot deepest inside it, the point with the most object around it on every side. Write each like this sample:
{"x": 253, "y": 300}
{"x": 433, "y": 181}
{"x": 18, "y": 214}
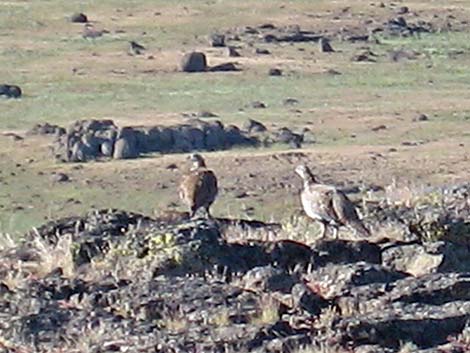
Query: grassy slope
{"x": 39, "y": 49}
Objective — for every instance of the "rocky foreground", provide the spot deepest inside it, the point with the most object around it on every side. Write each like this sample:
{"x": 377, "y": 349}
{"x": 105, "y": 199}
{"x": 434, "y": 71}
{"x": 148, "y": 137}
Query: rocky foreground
{"x": 114, "y": 281}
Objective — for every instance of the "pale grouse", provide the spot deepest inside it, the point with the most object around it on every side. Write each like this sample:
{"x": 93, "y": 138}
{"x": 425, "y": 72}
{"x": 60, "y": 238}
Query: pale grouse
{"x": 198, "y": 188}
{"x": 328, "y": 205}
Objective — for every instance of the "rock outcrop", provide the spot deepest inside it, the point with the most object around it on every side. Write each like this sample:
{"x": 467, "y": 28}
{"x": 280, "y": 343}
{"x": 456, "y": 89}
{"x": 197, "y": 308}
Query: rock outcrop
{"x": 113, "y": 281}
{"x": 86, "y": 140}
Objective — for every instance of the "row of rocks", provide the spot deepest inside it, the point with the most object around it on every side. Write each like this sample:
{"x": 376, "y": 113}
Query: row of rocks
{"x": 86, "y": 140}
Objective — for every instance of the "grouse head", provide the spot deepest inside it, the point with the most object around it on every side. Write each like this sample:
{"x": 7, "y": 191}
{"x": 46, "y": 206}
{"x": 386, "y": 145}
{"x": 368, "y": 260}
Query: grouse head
{"x": 304, "y": 172}
{"x": 197, "y": 161}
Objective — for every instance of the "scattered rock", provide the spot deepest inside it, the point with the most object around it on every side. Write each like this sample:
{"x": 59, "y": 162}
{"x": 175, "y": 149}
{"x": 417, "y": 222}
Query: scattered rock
{"x": 333, "y": 72}
{"x": 89, "y": 32}
{"x": 262, "y": 51}
{"x": 194, "y": 62}
{"x": 232, "y": 52}
{"x": 217, "y": 40}
{"x": 60, "y": 177}
{"x": 275, "y": 72}
{"x": 412, "y": 259}
{"x": 400, "y": 55}
{"x": 290, "y": 101}
{"x": 379, "y": 127}
{"x": 136, "y": 48}
{"x": 253, "y": 126}
{"x": 224, "y": 67}
{"x": 107, "y": 148}
{"x": 258, "y": 105}
{"x": 285, "y": 135}
{"x": 421, "y": 117}
{"x": 10, "y": 91}
{"x": 79, "y": 18}
{"x": 403, "y": 10}
{"x": 13, "y": 136}
{"x": 206, "y": 114}
{"x": 325, "y": 46}
{"x": 398, "y": 26}
{"x": 340, "y": 252}
{"x": 46, "y": 129}
{"x": 364, "y": 56}
{"x": 305, "y": 299}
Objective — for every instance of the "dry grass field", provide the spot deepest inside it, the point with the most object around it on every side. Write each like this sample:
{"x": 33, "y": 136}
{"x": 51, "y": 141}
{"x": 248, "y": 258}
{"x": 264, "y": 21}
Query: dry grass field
{"x": 66, "y": 77}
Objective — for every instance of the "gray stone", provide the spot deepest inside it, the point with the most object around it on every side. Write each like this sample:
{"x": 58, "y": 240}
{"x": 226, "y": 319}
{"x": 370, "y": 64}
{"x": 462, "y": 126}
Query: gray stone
{"x": 341, "y": 251}
{"x": 79, "y": 152}
{"x": 412, "y": 259}
{"x": 166, "y": 139}
{"x": 124, "y": 148}
{"x": 10, "y": 91}
{"x": 254, "y": 126}
{"x": 325, "y": 46}
{"x": 214, "y": 136}
{"x": 194, "y": 62}
{"x": 217, "y": 40}
{"x": 60, "y": 178}
{"x": 182, "y": 139}
{"x": 275, "y": 72}
{"x": 224, "y": 67}
{"x": 79, "y": 18}
{"x": 424, "y": 311}
{"x": 285, "y": 135}
{"x": 232, "y": 52}
{"x": 107, "y": 148}
{"x": 235, "y": 136}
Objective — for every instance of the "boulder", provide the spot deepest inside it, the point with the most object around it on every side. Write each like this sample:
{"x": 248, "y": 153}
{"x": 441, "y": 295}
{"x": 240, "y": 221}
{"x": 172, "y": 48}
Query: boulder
{"x": 253, "y": 126}
{"x": 217, "y": 40}
{"x": 107, "y": 148}
{"x": 232, "y": 52}
{"x": 325, "y": 46}
{"x": 194, "y": 62}
{"x": 182, "y": 139}
{"x": 420, "y": 259}
{"x": 224, "y": 67}
{"x": 10, "y": 91}
{"x": 79, "y": 18}
{"x": 285, "y": 135}
{"x": 275, "y": 72}
{"x": 79, "y": 152}
{"x": 46, "y": 129}
{"x": 235, "y": 136}
{"x": 390, "y": 314}
{"x": 124, "y": 148}
{"x": 341, "y": 251}
{"x": 92, "y": 143}
{"x": 166, "y": 141}
{"x": 214, "y": 136}
{"x": 412, "y": 259}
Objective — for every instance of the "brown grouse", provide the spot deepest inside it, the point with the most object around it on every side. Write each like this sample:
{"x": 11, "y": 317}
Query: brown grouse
{"x": 198, "y": 188}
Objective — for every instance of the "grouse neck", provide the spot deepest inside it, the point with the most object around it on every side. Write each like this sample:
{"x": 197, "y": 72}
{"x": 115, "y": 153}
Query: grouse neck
{"x": 309, "y": 180}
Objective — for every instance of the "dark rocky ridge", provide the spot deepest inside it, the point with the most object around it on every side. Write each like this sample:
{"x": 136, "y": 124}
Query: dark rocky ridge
{"x": 170, "y": 284}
